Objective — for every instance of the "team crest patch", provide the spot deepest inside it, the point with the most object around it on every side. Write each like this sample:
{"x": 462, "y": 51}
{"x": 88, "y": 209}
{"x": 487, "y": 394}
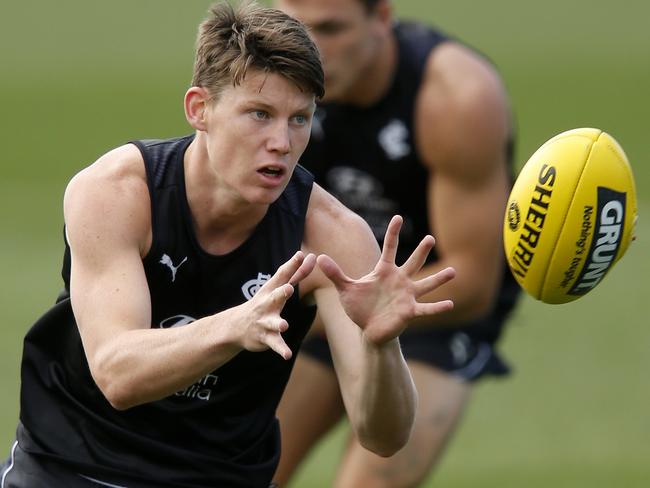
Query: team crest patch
{"x": 393, "y": 139}
{"x": 252, "y": 286}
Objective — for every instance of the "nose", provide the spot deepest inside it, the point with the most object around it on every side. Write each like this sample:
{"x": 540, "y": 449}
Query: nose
{"x": 279, "y": 139}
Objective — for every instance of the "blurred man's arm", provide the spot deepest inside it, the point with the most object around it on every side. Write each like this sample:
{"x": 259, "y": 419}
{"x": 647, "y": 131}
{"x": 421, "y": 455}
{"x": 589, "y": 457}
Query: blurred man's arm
{"x": 463, "y": 126}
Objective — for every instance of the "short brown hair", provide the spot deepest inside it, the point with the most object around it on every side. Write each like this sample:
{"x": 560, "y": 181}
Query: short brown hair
{"x": 230, "y": 42}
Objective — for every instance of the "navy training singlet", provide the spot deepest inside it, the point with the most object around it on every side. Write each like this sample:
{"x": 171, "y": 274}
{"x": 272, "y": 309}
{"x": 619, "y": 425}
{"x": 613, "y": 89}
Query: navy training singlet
{"x": 220, "y": 431}
{"x": 367, "y": 158}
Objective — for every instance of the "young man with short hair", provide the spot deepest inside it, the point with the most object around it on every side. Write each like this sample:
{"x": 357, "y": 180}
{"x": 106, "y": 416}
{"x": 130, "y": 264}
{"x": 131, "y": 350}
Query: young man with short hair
{"x": 193, "y": 267}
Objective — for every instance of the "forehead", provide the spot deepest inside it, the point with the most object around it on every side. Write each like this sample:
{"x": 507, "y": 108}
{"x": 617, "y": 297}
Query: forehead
{"x": 312, "y": 12}
{"x": 270, "y": 89}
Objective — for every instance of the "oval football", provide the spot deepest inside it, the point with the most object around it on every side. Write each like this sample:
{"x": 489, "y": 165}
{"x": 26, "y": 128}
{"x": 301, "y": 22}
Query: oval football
{"x": 570, "y": 215}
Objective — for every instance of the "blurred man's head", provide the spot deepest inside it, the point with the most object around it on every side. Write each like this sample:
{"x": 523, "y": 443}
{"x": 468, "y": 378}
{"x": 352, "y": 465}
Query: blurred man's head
{"x": 230, "y": 42}
{"x": 349, "y": 35}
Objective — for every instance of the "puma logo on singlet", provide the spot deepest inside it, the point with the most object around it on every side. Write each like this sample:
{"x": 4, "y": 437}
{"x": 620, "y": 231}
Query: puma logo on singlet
{"x": 252, "y": 286}
{"x": 393, "y": 140}
{"x": 167, "y": 261}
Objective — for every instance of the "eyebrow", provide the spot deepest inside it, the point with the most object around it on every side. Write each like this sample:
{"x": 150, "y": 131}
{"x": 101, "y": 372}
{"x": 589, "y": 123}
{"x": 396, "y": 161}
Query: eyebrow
{"x": 266, "y": 106}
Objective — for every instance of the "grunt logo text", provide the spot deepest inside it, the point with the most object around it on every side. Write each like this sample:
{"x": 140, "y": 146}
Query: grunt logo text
{"x": 608, "y": 231}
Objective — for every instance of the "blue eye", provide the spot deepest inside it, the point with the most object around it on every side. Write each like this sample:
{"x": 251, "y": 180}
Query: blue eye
{"x": 260, "y": 114}
{"x": 300, "y": 119}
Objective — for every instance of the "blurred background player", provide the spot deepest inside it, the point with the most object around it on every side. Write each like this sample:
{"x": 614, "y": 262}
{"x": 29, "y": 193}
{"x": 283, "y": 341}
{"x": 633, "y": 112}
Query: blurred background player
{"x": 414, "y": 123}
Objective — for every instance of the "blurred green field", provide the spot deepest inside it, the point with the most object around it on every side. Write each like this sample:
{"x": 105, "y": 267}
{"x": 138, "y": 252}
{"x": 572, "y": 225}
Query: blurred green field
{"x": 78, "y": 78}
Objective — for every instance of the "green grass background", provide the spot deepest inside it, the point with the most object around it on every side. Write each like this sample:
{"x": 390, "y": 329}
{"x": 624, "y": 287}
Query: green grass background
{"x": 80, "y": 77}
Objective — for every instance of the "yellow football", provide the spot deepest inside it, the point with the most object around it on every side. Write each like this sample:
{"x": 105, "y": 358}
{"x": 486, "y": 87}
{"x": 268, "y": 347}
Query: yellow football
{"x": 570, "y": 216}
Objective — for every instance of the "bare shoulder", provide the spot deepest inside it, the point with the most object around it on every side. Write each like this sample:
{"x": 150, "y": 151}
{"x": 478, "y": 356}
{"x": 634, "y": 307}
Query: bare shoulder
{"x": 333, "y": 229}
{"x": 462, "y": 71}
{"x": 463, "y": 111}
{"x": 460, "y": 79}
{"x": 110, "y": 196}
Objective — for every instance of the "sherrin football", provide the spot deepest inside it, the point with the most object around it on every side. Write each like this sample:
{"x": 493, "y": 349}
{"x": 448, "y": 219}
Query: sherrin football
{"x": 570, "y": 216}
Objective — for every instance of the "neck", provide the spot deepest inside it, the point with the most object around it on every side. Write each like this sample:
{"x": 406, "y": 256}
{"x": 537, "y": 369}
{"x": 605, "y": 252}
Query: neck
{"x": 221, "y": 218}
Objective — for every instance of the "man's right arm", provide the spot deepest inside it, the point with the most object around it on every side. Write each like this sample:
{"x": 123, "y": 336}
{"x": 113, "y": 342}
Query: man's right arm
{"x": 108, "y": 224}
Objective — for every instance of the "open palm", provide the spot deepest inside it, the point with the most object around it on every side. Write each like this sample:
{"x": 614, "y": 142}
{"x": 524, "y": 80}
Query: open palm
{"x": 385, "y": 300}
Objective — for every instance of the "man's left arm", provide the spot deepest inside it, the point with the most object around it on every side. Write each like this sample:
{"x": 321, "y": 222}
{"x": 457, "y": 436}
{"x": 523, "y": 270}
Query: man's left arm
{"x": 363, "y": 317}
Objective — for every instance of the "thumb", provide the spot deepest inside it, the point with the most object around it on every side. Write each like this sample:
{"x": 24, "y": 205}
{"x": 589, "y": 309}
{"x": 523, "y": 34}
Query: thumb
{"x": 332, "y": 270}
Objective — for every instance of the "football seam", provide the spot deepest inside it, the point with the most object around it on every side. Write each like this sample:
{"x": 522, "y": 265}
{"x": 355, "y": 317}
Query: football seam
{"x": 566, "y": 214}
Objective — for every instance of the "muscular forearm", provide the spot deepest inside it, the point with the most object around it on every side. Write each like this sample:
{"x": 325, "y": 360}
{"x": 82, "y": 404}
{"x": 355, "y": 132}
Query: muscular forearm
{"x": 144, "y": 365}
{"x": 135, "y": 364}
{"x": 385, "y": 408}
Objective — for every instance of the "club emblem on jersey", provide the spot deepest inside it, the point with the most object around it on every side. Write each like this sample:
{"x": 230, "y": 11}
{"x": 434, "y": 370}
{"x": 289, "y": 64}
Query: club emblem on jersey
{"x": 252, "y": 286}
{"x": 349, "y": 183}
{"x": 393, "y": 139}
{"x": 167, "y": 261}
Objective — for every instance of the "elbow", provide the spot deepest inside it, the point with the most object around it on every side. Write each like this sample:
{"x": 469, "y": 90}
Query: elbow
{"x": 116, "y": 399}
{"x": 111, "y": 385}
{"x": 387, "y": 440}
{"x": 388, "y": 446}
{"x": 390, "y": 432}
{"x": 113, "y": 392}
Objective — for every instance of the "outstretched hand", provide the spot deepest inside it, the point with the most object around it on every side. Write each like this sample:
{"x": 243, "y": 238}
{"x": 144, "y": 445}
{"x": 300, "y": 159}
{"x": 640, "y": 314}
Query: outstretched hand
{"x": 385, "y": 300}
{"x": 260, "y": 324}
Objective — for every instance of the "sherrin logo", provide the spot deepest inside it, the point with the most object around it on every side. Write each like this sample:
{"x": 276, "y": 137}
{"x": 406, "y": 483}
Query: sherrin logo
{"x": 609, "y": 227}
{"x": 514, "y": 216}
{"x": 524, "y": 251}
{"x": 578, "y": 206}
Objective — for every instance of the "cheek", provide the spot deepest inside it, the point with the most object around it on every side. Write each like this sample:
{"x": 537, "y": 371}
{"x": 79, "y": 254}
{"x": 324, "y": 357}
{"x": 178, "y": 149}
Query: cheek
{"x": 224, "y": 154}
{"x": 300, "y": 141}
{"x": 338, "y": 50}
{"x": 354, "y": 55}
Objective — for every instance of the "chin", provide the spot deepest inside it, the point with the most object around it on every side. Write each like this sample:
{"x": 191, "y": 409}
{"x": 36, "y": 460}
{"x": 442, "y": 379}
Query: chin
{"x": 265, "y": 197}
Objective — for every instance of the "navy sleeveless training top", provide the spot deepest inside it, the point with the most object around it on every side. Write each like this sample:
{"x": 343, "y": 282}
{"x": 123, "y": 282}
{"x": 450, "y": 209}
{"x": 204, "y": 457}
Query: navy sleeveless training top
{"x": 220, "y": 431}
{"x": 367, "y": 157}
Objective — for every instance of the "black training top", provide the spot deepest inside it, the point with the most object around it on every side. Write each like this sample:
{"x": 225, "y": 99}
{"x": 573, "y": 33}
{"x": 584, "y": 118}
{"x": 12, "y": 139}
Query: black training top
{"x": 220, "y": 431}
{"x": 367, "y": 156}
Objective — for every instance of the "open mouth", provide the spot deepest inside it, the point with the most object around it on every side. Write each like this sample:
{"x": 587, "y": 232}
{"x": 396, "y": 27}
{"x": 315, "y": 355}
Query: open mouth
{"x": 271, "y": 171}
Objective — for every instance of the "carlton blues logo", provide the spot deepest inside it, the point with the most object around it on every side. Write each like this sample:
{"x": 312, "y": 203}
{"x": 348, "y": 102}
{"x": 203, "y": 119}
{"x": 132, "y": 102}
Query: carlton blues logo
{"x": 606, "y": 240}
{"x": 252, "y": 286}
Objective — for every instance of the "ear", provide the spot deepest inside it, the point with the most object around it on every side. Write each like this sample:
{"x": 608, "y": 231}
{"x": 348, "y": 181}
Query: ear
{"x": 196, "y": 105}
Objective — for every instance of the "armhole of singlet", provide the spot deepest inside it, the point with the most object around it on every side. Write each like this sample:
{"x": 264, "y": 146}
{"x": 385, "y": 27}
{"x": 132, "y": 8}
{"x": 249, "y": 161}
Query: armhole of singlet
{"x": 150, "y": 173}
{"x": 306, "y": 180}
